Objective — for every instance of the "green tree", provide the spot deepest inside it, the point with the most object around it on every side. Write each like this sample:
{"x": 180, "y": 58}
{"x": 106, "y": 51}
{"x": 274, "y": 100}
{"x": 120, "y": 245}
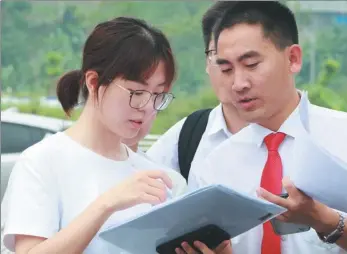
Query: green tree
{"x": 52, "y": 69}
{"x": 322, "y": 94}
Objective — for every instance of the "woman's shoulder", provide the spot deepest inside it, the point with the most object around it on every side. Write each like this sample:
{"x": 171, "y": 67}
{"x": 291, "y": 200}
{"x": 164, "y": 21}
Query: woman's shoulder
{"x": 48, "y": 144}
{"x": 44, "y": 152}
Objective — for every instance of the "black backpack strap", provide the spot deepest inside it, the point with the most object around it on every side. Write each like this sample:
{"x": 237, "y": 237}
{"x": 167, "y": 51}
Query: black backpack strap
{"x": 189, "y": 139}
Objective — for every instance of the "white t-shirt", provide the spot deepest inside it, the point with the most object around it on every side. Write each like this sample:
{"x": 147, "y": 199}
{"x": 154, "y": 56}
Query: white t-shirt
{"x": 56, "y": 179}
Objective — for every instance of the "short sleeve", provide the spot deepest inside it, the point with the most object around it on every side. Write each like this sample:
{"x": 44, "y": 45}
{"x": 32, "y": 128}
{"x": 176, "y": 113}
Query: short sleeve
{"x": 30, "y": 205}
{"x": 165, "y": 150}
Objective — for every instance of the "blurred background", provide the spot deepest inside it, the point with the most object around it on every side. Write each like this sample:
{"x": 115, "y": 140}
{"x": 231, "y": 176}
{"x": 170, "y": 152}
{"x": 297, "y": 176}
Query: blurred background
{"x": 40, "y": 40}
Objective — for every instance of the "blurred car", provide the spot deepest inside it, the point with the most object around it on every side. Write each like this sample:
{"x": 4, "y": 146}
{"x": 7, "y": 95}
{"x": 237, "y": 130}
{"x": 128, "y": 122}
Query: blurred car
{"x": 20, "y": 131}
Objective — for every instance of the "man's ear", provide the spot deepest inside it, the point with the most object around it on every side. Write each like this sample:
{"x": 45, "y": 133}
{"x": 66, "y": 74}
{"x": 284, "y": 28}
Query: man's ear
{"x": 295, "y": 58}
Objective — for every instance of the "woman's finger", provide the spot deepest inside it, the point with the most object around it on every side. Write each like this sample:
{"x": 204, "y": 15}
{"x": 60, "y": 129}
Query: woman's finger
{"x": 150, "y": 199}
{"x": 156, "y": 184}
{"x": 203, "y": 248}
{"x": 188, "y": 249}
{"x": 159, "y": 193}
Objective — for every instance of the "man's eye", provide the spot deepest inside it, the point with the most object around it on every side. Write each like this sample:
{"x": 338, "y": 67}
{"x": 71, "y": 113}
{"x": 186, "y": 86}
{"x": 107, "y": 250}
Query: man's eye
{"x": 226, "y": 70}
{"x": 252, "y": 65}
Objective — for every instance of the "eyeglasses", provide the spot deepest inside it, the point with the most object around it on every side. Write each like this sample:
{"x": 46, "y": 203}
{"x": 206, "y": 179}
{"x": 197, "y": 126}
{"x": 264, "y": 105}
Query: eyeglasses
{"x": 140, "y": 98}
{"x": 211, "y": 55}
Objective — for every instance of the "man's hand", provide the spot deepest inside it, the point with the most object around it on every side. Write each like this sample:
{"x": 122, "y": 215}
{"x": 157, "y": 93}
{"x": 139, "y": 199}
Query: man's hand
{"x": 302, "y": 209}
{"x": 223, "y": 248}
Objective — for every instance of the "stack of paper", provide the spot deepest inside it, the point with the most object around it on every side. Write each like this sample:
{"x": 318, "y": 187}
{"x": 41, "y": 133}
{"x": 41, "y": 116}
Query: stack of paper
{"x": 232, "y": 211}
{"x": 320, "y": 174}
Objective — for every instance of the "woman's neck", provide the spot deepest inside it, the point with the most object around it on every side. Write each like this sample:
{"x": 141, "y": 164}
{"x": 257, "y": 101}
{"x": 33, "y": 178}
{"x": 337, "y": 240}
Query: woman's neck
{"x": 92, "y": 134}
{"x": 134, "y": 147}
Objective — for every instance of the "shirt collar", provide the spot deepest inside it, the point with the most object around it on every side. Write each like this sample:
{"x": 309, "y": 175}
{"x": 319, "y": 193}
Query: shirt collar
{"x": 218, "y": 123}
{"x": 296, "y": 124}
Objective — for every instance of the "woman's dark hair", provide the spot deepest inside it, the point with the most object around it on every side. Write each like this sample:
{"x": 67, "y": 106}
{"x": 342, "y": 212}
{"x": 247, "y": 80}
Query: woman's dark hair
{"x": 123, "y": 47}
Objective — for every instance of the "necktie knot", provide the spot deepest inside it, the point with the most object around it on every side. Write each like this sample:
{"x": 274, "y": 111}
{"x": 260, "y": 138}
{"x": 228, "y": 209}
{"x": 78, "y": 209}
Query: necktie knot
{"x": 274, "y": 140}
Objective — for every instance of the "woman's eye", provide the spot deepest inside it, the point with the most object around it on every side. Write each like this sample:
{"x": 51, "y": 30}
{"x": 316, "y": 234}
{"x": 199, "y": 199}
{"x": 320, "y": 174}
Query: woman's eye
{"x": 137, "y": 93}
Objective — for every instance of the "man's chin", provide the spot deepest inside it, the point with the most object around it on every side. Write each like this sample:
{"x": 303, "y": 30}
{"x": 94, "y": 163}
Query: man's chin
{"x": 254, "y": 116}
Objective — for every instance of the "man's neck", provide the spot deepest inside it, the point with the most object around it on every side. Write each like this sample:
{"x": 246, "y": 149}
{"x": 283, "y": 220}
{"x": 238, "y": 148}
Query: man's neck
{"x": 232, "y": 119}
{"x": 275, "y": 122}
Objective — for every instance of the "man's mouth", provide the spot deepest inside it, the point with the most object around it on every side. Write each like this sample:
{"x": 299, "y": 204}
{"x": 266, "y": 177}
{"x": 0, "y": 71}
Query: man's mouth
{"x": 247, "y": 100}
{"x": 248, "y": 103}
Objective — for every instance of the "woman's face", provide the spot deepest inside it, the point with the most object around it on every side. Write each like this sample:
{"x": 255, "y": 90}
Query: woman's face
{"x": 145, "y": 129}
{"x": 117, "y": 113}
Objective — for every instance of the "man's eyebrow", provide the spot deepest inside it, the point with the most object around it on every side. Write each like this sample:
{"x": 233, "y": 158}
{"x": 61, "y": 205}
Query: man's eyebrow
{"x": 221, "y": 61}
{"x": 249, "y": 54}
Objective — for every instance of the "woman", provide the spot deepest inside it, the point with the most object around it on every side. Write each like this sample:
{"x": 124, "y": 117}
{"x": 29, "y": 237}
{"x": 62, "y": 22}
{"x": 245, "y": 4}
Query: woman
{"x": 65, "y": 188}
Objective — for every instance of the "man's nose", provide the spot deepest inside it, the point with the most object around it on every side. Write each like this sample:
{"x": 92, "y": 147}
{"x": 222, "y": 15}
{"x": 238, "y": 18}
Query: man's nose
{"x": 241, "y": 82}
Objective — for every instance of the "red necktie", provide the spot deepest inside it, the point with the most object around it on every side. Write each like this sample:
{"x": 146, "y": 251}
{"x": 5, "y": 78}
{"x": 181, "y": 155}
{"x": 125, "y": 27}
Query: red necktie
{"x": 271, "y": 180}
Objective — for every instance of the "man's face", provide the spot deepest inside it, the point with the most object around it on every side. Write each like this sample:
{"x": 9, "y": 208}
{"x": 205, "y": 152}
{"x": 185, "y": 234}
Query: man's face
{"x": 254, "y": 75}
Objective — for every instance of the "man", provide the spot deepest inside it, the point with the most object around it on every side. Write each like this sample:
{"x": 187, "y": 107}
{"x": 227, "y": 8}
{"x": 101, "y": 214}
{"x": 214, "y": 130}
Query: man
{"x": 223, "y": 120}
{"x": 258, "y": 55}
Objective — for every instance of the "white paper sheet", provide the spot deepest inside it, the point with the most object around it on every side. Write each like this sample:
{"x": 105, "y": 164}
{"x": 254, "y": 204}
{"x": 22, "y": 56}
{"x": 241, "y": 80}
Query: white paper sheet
{"x": 320, "y": 174}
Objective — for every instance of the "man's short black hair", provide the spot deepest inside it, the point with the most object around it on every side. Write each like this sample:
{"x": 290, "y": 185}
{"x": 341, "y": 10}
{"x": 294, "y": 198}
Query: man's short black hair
{"x": 211, "y": 16}
{"x": 277, "y": 20}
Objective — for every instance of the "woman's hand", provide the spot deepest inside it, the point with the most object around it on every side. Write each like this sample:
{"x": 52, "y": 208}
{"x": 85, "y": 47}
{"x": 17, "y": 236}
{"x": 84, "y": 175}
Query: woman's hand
{"x": 143, "y": 187}
{"x": 223, "y": 248}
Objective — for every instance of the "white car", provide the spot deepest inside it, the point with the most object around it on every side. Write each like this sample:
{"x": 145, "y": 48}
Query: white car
{"x": 20, "y": 131}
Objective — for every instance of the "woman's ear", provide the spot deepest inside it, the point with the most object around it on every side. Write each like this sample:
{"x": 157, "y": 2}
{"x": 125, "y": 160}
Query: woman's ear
{"x": 92, "y": 79}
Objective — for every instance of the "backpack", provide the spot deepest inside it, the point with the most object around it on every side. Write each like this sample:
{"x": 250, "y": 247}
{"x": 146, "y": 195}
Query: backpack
{"x": 189, "y": 138}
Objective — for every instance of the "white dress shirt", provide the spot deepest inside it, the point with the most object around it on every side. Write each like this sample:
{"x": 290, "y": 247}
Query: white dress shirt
{"x": 165, "y": 150}
{"x": 239, "y": 161}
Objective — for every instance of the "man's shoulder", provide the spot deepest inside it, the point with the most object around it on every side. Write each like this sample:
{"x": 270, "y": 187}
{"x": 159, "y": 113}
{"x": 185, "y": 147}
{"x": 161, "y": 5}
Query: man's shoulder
{"x": 328, "y": 127}
{"x": 165, "y": 149}
{"x": 327, "y": 114}
{"x": 174, "y": 131}
{"x": 328, "y": 122}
